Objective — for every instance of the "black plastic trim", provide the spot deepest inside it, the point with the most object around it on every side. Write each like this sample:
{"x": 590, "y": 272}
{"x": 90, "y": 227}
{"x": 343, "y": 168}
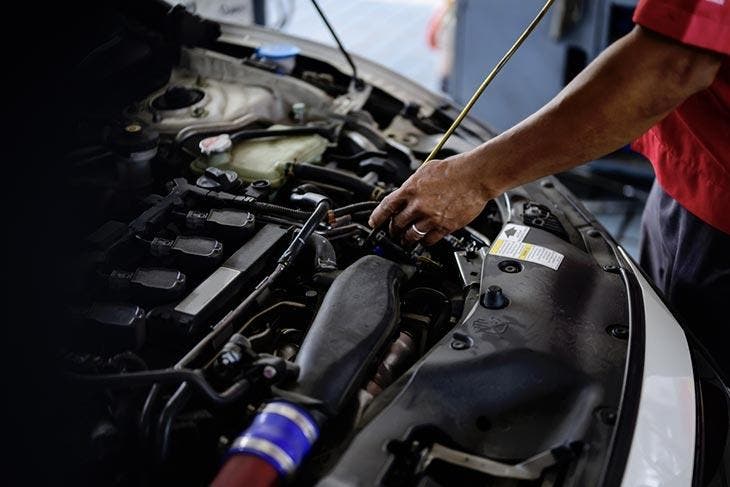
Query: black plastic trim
{"x": 633, "y": 382}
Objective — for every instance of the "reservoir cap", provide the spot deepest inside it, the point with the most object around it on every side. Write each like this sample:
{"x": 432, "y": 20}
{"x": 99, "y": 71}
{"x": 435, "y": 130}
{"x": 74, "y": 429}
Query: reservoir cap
{"x": 216, "y": 144}
{"x": 277, "y": 51}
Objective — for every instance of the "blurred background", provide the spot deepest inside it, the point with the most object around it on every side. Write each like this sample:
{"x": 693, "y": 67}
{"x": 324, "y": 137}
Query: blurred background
{"x": 449, "y": 45}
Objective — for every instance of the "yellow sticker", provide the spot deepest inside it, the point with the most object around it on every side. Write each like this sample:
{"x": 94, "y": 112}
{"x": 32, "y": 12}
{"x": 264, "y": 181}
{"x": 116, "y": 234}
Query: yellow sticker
{"x": 496, "y": 245}
{"x": 528, "y": 252}
{"x": 526, "y": 249}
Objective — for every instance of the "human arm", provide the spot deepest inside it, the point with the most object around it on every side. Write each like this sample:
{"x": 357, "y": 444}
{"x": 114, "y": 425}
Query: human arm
{"x": 631, "y": 86}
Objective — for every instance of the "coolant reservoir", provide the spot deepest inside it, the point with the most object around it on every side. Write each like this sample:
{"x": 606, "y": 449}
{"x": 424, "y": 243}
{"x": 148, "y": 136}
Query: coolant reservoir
{"x": 267, "y": 158}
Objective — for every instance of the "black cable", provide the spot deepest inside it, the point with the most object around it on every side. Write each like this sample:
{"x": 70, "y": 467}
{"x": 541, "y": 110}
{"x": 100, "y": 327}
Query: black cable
{"x": 300, "y": 239}
{"x": 349, "y": 229}
{"x": 360, "y": 156}
{"x": 165, "y": 376}
{"x": 331, "y": 175}
{"x": 146, "y": 414}
{"x": 359, "y": 85}
{"x": 258, "y": 207}
{"x": 247, "y": 204}
{"x": 164, "y": 425}
{"x": 355, "y": 207}
{"x": 277, "y": 210}
{"x": 361, "y": 215}
{"x": 339, "y": 178}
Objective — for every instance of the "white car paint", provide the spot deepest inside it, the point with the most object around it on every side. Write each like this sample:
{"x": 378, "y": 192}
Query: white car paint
{"x": 663, "y": 447}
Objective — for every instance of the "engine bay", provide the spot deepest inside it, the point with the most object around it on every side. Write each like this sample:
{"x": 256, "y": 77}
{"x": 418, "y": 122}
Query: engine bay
{"x": 228, "y": 269}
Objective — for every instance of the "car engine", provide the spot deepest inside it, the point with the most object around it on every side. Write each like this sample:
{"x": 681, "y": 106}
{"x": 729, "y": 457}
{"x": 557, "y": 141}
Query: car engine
{"x": 228, "y": 278}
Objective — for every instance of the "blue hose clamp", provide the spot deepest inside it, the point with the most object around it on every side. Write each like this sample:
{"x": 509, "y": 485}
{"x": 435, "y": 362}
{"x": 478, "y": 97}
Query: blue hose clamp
{"x": 281, "y": 434}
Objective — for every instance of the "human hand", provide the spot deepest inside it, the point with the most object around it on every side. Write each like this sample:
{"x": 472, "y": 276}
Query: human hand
{"x": 437, "y": 199}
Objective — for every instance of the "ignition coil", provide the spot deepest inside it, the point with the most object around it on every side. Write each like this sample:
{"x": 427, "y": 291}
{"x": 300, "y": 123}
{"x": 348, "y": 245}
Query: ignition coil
{"x": 118, "y": 326}
{"x": 152, "y": 284}
{"x": 196, "y": 252}
{"x": 225, "y": 222}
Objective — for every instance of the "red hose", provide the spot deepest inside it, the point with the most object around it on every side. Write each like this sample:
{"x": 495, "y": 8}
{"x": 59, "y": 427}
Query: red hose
{"x": 246, "y": 471}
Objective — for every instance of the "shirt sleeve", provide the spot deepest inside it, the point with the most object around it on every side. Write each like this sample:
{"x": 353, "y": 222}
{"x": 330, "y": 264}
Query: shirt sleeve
{"x": 700, "y": 23}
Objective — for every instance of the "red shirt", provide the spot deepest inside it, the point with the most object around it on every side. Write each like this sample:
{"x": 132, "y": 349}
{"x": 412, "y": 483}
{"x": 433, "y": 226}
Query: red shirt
{"x": 690, "y": 148}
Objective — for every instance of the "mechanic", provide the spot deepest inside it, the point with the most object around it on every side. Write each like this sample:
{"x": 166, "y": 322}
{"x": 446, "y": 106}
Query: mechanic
{"x": 665, "y": 86}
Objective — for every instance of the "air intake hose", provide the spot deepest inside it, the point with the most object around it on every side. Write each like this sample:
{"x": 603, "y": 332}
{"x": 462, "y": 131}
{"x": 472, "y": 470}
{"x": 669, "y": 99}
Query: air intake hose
{"x": 356, "y": 321}
{"x": 338, "y": 178}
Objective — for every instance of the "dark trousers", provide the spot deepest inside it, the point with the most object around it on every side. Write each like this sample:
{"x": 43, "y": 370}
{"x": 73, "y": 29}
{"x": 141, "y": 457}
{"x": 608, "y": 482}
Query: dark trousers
{"x": 689, "y": 261}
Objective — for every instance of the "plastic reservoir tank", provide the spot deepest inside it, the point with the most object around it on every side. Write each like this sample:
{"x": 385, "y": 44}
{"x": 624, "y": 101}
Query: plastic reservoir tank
{"x": 267, "y": 158}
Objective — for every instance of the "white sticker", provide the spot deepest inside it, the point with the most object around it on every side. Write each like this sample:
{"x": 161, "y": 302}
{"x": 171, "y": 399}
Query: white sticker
{"x": 524, "y": 251}
{"x": 514, "y": 232}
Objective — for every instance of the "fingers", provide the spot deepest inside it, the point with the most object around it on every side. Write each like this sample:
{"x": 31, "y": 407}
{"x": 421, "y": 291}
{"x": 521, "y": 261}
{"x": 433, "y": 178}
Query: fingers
{"x": 405, "y": 217}
{"x": 402, "y": 220}
{"x": 432, "y": 232}
{"x": 417, "y": 231}
{"x": 390, "y": 205}
{"x": 433, "y": 237}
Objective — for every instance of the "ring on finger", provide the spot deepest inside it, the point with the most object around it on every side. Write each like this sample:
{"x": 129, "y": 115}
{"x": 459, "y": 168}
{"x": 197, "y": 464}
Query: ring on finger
{"x": 418, "y": 232}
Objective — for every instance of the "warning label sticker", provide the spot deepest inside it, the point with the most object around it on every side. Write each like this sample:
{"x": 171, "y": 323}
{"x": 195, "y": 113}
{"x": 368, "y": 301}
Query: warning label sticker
{"x": 514, "y": 232}
{"x": 519, "y": 250}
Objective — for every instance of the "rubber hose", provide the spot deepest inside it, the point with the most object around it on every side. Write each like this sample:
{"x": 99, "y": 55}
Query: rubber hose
{"x": 340, "y": 178}
{"x": 355, "y": 207}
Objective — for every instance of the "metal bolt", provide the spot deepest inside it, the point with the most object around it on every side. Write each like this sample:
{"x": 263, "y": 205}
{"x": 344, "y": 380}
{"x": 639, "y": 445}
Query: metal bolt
{"x": 311, "y": 295}
{"x": 607, "y": 416}
{"x": 461, "y": 341}
{"x": 298, "y": 111}
{"x": 610, "y": 268}
{"x": 228, "y": 358}
{"x": 261, "y": 185}
{"x": 510, "y": 266}
{"x": 618, "y": 331}
{"x": 269, "y": 372}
